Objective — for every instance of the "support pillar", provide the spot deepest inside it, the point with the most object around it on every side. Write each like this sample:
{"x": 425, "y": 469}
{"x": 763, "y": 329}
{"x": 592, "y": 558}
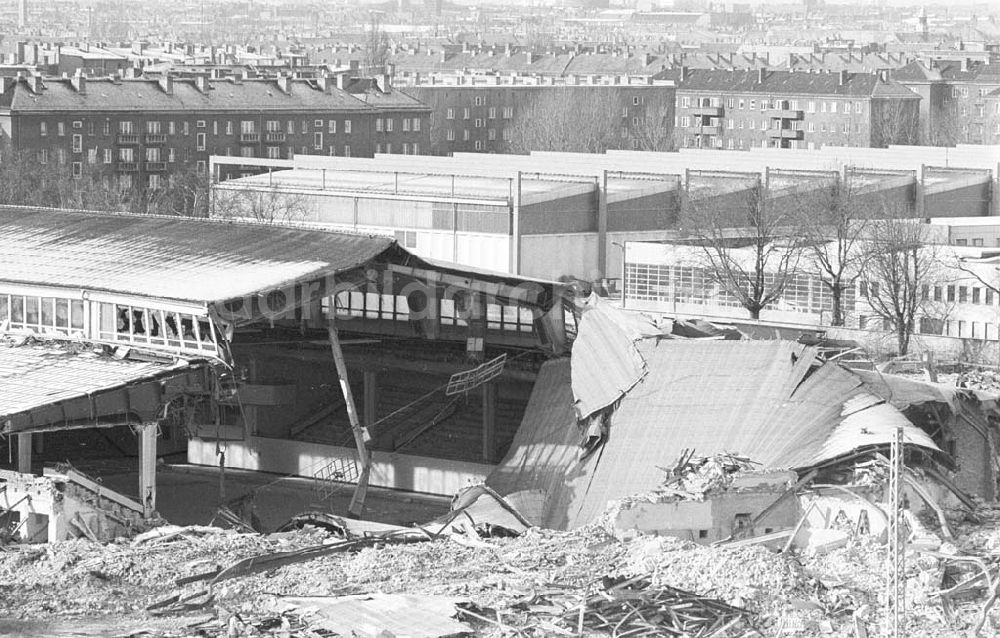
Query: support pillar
{"x": 147, "y": 467}
{"x": 361, "y": 434}
{"x": 24, "y": 453}
{"x": 371, "y": 398}
{"x": 489, "y": 422}
{"x": 602, "y": 226}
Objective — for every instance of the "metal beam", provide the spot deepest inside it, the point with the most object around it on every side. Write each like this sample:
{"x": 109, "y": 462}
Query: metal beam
{"x": 361, "y": 434}
{"x": 147, "y": 467}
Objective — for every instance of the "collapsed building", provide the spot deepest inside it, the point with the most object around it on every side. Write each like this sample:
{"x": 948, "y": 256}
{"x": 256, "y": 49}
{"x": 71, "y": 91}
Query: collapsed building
{"x": 601, "y": 425}
{"x": 238, "y": 345}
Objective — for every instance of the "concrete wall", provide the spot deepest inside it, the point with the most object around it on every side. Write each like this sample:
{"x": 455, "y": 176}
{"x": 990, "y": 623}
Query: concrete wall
{"x": 968, "y": 201}
{"x": 396, "y": 471}
{"x": 574, "y": 214}
{"x": 554, "y": 256}
{"x": 659, "y": 211}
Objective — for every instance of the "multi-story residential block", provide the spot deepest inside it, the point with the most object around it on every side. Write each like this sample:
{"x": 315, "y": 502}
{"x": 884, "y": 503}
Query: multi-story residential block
{"x": 781, "y": 109}
{"x": 956, "y": 103}
{"x": 143, "y": 130}
{"x": 477, "y": 113}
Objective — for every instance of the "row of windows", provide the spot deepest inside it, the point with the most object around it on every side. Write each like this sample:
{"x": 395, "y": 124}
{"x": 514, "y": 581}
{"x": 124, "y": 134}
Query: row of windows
{"x": 227, "y": 127}
{"x": 450, "y": 311}
{"x": 508, "y": 113}
{"x": 976, "y": 295}
{"x": 685, "y": 284}
{"x": 387, "y": 125}
{"x": 772, "y": 124}
{"x": 491, "y": 134}
{"x": 811, "y": 106}
{"x": 41, "y": 314}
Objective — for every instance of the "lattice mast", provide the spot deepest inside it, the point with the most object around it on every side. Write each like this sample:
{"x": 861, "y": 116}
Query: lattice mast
{"x": 896, "y": 555}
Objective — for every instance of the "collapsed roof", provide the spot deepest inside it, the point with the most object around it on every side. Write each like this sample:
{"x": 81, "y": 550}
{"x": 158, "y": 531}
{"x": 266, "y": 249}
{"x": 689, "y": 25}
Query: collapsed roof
{"x": 775, "y": 402}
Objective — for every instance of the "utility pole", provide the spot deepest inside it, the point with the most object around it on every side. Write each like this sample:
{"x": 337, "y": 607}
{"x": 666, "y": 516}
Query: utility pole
{"x": 896, "y": 555}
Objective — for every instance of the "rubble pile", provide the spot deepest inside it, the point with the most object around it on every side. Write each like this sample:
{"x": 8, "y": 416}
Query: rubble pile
{"x": 692, "y": 477}
{"x": 540, "y": 583}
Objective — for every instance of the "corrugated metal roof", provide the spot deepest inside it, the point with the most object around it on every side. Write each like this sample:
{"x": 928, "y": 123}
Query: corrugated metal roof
{"x": 37, "y": 374}
{"x": 761, "y": 399}
{"x": 606, "y": 364}
{"x": 176, "y": 258}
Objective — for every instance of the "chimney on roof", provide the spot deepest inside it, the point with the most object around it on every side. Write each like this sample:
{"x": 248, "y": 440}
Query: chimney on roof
{"x": 166, "y": 83}
{"x": 7, "y": 83}
{"x": 324, "y": 82}
{"x": 284, "y": 83}
{"x": 201, "y": 83}
{"x": 884, "y": 75}
{"x": 761, "y": 75}
{"x": 964, "y": 64}
{"x": 342, "y": 81}
{"x": 35, "y": 83}
{"x": 843, "y": 77}
{"x": 684, "y": 72}
{"x": 79, "y": 81}
{"x": 382, "y": 82}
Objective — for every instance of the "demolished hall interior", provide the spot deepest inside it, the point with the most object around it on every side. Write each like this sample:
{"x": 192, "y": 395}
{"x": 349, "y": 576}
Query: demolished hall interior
{"x": 183, "y": 340}
{"x": 179, "y": 339}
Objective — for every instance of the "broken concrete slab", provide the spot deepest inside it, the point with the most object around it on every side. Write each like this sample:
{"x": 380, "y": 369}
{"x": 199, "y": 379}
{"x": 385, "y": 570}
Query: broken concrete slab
{"x": 377, "y": 615}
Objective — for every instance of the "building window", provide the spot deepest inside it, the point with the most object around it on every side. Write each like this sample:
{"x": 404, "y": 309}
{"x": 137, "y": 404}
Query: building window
{"x": 200, "y": 166}
{"x": 154, "y": 182}
{"x": 331, "y": 126}
{"x": 479, "y": 145}
{"x": 90, "y": 127}
{"x": 378, "y": 125}
{"x": 43, "y": 129}
{"x": 388, "y": 148}
{"x": 77, "y": 124}
{"x": 685, "y": 101}
{"x": 171, "y": 127}
{"x": 416, "y": 148}
{"x": 77, "y": 170}
{"x": 77, "y": 143}
{"x": 465, "y": 113}
{"x": 92, "y": 156}
{"x": 200, "y": 141}
{"x": 347, "y": 150}
{"x": 479, "y": 100}
{"x": 406, "y": 125}
{"x": 450, "y": 114}
{"x": 153, "y": 127}
{"x": 347, "y": 127}
{"x": 378, "y": 147}
{"x": 491, "y": 134}
{"x": 635, "y": 100}
{"x": 215, "y": 127}
{"x": 318, "y": 123}
{"x": 508, "y": 112}
{"x": 317, "y": 141}
{"x": 43, "y": 156}
{"x": 492, "y": 113}
{"x": 291, "y": 127}
{"x": 479, "y": 123}
{"x": 229, "y": 127}
{"x": 976, "y": 295}
{"x": 186, "y": 128}
{"x": 171, "y": 155}
{"x": 416, "y": 125}
{"x": 465, "y": 135}
{"x": 107, "y": 156}
{"x": 61, "y": 129}
{"x": 406, "y": 148}
{"x": 199, "y": 124}
{"x": 450, "y": 135}
{"x": 811, "y": 107}
{"x": 388, "y": 125}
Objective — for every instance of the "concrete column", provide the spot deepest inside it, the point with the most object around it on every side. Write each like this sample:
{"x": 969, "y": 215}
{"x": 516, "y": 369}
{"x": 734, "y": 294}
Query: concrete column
{"x": 371, "y": 397}
{"x": 147, "y": 467}
{"x": 24, "y": 453}
{"x": 602, "y": 226}
{"x": 489, "y": 422}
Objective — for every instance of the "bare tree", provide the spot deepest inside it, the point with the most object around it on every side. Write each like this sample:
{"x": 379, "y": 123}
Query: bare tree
{"x": 753, "y": 264}
{"x": 834, "y": 222}
{"x": 564, "y": 119}
{"x": 267, "y": 205}
{"x": 654, "y": 131}
{"x": 895, "y": 121}
{"x": 376, "y": 47}
{"x": 901, "y": 262}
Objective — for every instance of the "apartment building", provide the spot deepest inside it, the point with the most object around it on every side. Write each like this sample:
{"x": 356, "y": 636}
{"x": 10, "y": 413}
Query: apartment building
{"x": 476, "y": 113}
{"x": 144, "y": 130}
{"x": 957, "y": 102}
{"x": 783, "y": 109}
